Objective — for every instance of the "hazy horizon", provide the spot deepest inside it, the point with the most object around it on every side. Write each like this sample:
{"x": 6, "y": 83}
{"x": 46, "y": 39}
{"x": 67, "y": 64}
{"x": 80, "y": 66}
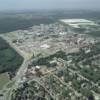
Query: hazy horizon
{"x": 6, "y": 5}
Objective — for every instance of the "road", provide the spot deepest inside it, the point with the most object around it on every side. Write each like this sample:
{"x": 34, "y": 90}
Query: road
{"x": 24, "y": 65}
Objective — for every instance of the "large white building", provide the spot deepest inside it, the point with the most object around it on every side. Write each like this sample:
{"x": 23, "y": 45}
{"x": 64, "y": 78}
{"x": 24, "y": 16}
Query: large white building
{"x": 77, "y": 22}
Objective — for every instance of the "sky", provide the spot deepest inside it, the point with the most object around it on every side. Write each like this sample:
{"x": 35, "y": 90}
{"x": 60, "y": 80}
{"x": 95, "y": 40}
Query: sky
{"x": 48, "y": 4}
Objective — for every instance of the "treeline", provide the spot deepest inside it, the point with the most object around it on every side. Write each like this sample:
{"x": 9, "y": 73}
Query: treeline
{"x": 10, "y": 60}
{"x": 12, "y": 24}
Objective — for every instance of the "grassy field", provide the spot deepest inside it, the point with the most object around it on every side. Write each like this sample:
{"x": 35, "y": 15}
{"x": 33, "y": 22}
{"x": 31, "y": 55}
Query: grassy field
{"x": 9, "y": 85}
{"x": 10, "y": 60}
{"x": 4, "y": 79}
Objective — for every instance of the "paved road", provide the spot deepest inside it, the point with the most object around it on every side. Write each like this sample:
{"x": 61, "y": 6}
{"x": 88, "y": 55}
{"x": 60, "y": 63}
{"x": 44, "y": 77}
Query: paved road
{"x": 26, "y": 58}
{"x": 24, "y": 65}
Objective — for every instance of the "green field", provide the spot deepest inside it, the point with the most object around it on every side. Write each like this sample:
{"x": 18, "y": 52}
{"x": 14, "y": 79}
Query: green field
{"x": 9, "y": 85}
{"x": 10, "y": 60}
{"x": 4, "y": 79}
